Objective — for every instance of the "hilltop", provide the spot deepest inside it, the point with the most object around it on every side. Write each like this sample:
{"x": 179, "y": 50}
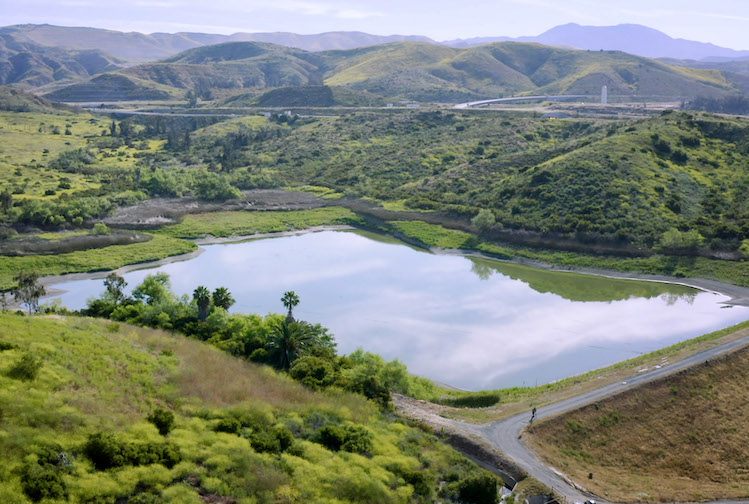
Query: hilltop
{"x": 418, "y": 71}
{"x": 100, "y": 411}
{"x": 15, "y": 100}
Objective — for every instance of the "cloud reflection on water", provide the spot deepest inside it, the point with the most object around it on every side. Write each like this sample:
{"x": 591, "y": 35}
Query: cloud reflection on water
{"x": 459, "y": 321}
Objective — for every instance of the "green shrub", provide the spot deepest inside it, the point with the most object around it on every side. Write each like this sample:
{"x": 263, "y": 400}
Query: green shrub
{"x": 43, "y": 482}
{"x": 421, "y": 481}
{"x": 229, "y": 424}
{"x": 100, "y": 229}
{"x": 26, "y": 368}
{"x": 352, "y": 438}
{"x": 259, "y": 355}
{"x": 744, "y": 249}
{"x": 478, "y": 400}
{"x": 332, "y": 437}
{"x": 479, "y": 489}
{"x": 106, "y": 452}
{"x": 265, "y": 442}
{"x": 103, "y": 451}
{"x": 162, "y": 419}
{"x": 4, "y": 345}
{"x": 484, "y": 220}
{"x": 314, "y": 372}
{"x": 43, "y": 479}
{"x": 358, "y": 440}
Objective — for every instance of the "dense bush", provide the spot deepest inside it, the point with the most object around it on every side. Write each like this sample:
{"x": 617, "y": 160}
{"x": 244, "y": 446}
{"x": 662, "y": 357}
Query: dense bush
{"x": 106, "y": 452}
{"x": 350, "y": 438}
{"x": 475, "y": 400}
{"x": 276, "y": 440}
{"x": 314, "y": 372}
{"x": 229, "y": 425}
{"x": 43, "y": 481}
{"x": 73, "y": 161}
{"x": 4, "y": 345}
{"x": 479, "y": 489}
{"x": 43, "y": 478}
{"x": 26, "y": 368}
{"x": 162, "y": 419}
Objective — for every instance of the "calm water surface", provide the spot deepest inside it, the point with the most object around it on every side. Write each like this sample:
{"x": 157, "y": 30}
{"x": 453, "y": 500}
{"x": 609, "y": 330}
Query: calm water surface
{"x": 472, "y": 323}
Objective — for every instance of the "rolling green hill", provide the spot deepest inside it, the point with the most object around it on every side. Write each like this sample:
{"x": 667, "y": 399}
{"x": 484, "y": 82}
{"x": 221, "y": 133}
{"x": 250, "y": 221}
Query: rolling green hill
{"x": 309, "y": 96}
{"x": 85, "y": 417}
{"x": 617, "y": 181}
{"x": 429, "y": 72}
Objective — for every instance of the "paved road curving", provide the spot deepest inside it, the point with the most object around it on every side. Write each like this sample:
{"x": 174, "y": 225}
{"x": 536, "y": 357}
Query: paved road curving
{"x": 506, "y": 435}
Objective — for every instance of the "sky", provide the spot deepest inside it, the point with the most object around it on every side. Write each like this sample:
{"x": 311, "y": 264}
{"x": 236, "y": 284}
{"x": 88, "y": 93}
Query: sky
{"x": 722, "y": 22}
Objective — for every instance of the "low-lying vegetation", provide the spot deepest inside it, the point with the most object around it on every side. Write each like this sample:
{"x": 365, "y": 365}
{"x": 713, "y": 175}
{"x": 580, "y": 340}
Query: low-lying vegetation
{"x": 123, "y": 414}
{"x": 227, "y": 224}
{"x": 102, "y": 259}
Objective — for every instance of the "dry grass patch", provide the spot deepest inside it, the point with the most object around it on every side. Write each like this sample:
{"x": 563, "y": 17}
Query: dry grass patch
{"x": 220, "y": 380}
{"x": 683, "y": 438}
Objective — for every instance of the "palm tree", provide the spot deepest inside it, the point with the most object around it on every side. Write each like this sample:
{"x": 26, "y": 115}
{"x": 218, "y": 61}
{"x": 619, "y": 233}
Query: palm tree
{"x": 222, "y": 298}
{"x": 287, "y": 342}
{"x": 203, "y": 299}
{"x": 290, "y": 300}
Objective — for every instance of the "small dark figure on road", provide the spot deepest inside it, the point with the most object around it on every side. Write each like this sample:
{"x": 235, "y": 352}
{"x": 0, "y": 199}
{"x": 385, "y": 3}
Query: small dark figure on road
{"x": 533, "y": 416}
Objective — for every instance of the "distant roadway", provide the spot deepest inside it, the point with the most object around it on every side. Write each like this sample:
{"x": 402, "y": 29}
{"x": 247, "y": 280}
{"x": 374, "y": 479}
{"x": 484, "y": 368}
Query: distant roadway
{"x": 521, "y": 98}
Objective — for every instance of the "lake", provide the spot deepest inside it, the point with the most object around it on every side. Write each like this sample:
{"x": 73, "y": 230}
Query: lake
{"x": 471, "y": 323}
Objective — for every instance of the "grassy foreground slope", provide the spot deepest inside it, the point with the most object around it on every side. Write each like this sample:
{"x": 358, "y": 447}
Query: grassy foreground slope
{"x": 683, "y": 438}
{"x": 242, "y": 433}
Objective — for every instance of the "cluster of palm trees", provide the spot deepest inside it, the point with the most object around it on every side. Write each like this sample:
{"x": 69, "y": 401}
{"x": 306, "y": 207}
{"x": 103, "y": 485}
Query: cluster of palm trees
{"x": 221, "y": 298}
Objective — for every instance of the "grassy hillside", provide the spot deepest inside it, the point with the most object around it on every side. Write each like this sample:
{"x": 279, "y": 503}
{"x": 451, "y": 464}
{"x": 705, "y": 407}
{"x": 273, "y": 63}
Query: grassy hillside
{"x": 674, "y": 184}
{"x": 76, "y": 396}
{"x": 628, "y": 182}
{"x": 308, "y": 96}
{"x": 429, "y": 72}
{"x": 113, "y": 87}
{"x": 683, "y": 438}
{"x": 15, "y": 100}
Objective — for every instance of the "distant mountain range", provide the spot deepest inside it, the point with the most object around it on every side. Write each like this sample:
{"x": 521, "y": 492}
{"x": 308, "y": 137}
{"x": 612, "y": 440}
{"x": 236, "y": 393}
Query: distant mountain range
{"x": 138, "y": 48}
{"x": 630, "y": 38}
{"x": 408, "y": 70}
{"x": 90, "y": 64}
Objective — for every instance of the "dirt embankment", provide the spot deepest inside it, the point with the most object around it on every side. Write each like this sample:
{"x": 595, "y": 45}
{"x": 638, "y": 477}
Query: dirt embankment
{"x": 39, "y": 246}
{"x": 460, "y": 436}
{"x": 157, "y": 212}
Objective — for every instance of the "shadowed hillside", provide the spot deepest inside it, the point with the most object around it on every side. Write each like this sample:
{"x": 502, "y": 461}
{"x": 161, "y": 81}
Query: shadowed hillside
{"x": 33, "y": 65}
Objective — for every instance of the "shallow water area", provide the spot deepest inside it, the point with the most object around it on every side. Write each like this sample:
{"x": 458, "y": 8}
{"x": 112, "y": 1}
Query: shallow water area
{"x": 471, "y": 323}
